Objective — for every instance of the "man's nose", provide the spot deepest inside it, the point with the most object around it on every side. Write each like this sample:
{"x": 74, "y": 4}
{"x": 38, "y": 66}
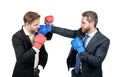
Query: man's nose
{"x": 38, "y": 26}
{"x": 81, "y": 25}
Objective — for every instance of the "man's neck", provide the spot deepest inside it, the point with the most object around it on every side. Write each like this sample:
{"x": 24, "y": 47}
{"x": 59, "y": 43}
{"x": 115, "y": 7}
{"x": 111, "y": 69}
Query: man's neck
{"x": 92, "y": 30}
{"x": 27, "y": 29}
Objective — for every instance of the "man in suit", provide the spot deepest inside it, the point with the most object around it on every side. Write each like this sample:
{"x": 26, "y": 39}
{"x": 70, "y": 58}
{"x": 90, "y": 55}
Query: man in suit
{"x": 29, "y": 47}
{"x": 92, "y": 53}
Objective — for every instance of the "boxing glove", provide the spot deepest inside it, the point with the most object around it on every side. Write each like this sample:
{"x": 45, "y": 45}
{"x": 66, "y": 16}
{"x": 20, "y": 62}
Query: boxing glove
{"x": 49, "y": 19}
{"x": 78, "y": 45}
{"x": 43, "y": 30}
{"x": 48, "y": 27}
{"x": 39, "y": 40}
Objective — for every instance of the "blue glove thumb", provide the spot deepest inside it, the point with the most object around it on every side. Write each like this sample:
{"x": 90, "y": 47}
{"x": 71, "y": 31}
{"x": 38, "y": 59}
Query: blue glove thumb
{"x": 48, "y": 27}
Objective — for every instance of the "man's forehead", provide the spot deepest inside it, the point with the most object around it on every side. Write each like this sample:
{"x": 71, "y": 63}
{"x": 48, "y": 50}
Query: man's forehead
{"x": 84, "y": 19}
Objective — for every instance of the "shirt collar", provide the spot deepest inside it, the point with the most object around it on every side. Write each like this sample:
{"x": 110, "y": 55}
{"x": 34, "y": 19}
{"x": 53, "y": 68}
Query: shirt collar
{"x": 92, "y": 34}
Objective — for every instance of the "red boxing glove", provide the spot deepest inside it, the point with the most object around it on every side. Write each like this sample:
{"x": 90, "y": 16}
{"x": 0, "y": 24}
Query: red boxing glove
{"x": 49, "y": 19}
{"x": 39, "y": 41}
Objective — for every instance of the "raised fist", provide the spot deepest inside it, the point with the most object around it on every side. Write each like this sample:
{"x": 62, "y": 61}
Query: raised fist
{"x": 49, "y": 19}
{"x": 39, "y": 40}
{"x": 78, "y": 45}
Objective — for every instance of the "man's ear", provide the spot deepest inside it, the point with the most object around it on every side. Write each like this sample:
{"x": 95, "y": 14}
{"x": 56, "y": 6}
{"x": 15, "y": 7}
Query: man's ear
{"x": 27, "y": 23}
{"x": 92, "y": 23}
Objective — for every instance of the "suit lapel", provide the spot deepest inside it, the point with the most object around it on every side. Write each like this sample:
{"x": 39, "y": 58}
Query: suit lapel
{"x": 26, "y": 38}
{"x": 93, "y": 40}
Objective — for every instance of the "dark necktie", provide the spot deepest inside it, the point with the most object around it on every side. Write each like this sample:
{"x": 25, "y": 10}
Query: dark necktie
{"x": 85, "y": 39}
{"x": 78, "y": 60}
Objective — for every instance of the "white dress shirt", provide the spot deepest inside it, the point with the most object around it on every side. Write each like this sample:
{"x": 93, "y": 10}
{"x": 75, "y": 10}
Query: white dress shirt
{"x": 90, "y": 37}
{"x": 31, "y": 37}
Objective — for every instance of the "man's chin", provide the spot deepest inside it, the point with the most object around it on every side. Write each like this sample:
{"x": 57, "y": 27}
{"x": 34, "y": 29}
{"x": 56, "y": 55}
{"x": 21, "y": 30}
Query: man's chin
{"x": 83, "y": 31}
{"x": 36, "y": 30}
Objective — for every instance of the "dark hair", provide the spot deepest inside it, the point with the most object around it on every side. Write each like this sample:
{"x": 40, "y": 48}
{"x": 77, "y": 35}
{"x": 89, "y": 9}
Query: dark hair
{"x": 30, "y": 17}
{"x": 91, "y": 17}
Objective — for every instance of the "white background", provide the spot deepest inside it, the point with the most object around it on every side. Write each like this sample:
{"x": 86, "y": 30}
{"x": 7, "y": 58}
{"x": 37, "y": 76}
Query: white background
{"x": 67, "y": 14}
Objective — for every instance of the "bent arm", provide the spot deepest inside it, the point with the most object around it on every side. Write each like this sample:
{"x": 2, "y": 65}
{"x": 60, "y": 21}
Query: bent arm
{"x": 97, "y": 58}
{"x": 49, "y": 35}
{"x": 22, "y": 55}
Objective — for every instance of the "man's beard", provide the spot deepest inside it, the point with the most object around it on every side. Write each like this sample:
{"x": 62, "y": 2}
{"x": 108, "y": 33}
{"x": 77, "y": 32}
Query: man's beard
{"x": 85, "y": 30}
{"x": 33, "y": 31}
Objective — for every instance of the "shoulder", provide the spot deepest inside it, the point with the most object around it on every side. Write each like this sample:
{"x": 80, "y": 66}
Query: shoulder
{"x": 102, "y": 36}
{"x": 18, "y": 34}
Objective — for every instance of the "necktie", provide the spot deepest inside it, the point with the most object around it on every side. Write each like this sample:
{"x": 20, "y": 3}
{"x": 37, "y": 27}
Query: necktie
{"x": 78, "y": 60}
{"x": 77, "y": 64}
{"x": 85, "y": 39}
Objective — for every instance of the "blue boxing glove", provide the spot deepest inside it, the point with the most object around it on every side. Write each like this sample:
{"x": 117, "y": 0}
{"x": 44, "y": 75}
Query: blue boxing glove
{"x": 42, "y": 30}
{"x": 78, "y": 45}
{"x": 48, "y": 27}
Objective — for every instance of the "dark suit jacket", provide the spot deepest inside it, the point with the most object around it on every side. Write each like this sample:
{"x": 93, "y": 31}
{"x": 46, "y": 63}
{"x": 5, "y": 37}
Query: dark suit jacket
{"x": 25, "y": 54}
{"x": 94, "y": 55}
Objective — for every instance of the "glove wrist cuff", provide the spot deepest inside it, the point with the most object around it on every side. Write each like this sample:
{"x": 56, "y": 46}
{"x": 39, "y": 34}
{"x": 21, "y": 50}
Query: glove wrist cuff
{"x": 81, "y": 49}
